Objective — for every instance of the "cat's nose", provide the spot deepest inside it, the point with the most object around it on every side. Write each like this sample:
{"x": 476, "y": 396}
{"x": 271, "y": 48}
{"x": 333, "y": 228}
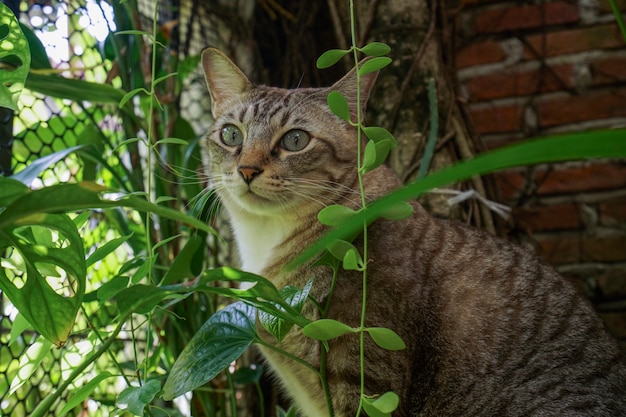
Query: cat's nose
{"x": 248, "y": 173}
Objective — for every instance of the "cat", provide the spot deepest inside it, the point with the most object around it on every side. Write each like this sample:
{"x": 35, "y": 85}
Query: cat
{"x": 490, "y": 329}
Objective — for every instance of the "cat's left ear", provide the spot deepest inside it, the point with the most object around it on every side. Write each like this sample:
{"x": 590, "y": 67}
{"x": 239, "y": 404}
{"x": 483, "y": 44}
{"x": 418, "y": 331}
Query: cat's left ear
{"x": 226, "y": 82}
{"x": 347, "y": 86}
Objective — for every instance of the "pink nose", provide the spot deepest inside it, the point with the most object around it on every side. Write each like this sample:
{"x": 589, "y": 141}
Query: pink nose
{"x": 248, "y": 173}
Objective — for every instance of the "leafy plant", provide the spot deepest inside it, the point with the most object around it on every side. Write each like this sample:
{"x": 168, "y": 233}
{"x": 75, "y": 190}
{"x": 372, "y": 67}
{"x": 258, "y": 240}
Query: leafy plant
{"x": 51, "y": 251}
{"x": 14, "y": 58}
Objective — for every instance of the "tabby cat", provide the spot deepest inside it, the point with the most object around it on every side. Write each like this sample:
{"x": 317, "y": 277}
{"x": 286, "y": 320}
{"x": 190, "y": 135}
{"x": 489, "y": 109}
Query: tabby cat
{"x": 490, "y": 330}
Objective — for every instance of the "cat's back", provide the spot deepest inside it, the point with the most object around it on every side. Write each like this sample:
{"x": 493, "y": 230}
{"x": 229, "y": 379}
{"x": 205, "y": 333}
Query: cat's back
{"x": 508, "y": 335}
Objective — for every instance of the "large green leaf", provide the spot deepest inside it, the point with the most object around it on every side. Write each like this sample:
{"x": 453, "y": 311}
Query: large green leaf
{"x": 74, "y": 89}
{"x": 575, "y": 146}
{"x": 295, "y": 297}
{"x": 62, "y": 198}
{"x": 221, "y": 340}
{"x": 262, "y": 295}
{"x": 14, "y": 58}
{"x": 54, "y": 270}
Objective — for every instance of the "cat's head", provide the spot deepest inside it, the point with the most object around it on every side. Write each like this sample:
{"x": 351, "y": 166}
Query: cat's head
{"x": 273, "y": 151}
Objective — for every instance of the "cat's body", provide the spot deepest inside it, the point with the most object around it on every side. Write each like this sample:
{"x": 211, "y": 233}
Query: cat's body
{"x": 489, "y": 329}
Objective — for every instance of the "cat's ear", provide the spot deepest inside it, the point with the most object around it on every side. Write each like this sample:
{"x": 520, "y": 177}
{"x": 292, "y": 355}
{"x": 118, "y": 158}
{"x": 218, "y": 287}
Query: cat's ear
{"x": 347, "y": 86}
{"x": 226, "y": 82}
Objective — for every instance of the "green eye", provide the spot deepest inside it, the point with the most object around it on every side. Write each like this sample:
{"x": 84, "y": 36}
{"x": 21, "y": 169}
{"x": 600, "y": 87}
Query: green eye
{"x": 295, "y": 140}
{"x": 231, "y": 135}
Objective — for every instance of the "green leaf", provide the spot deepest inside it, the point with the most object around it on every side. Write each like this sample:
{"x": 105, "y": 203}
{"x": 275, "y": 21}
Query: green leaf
{"x": 113, "y": 287}
{"x": 187, "y": 66}
{"x": 377, "y": 134}
{"x": 341, "y": 249}
{"x": 339, "y": 105}
{"x": 10, "y": 190}
{"x": 128, "y": 96}
{"x": 172, "y": 141}
{"x": 132, "y": 32}
{"x": 38, "y": 56}
{"x": 85, "y": 195}
{"x": 326, "y": 329}
{"x": 135, "y": 399}
{"x": 29, "y": 362}
{"x": 14, "y": 59}
{"x": 376, "y": 49}
{"x": 576, "y": 146}
{"x": 386, "y": 338}
{"x": 352, "y": 261}
{"x": 331, "y": 57}
{"x": 376, "y": 153}
{"x": 221, "y": 340}
{"x": 295, "y": 297}
{"x": 18, "y": 326}
{"x": 105, "y": 250}
{"x": 50, "y": 311}
{"x": 140, "y": 298}
{"x": 374, "y": 64}
{"x": 163, "y": 78}
{"x": 183, "y": 266}
{"x": 247, "y": 375}
{"x": 397, "y": 211}
{"x": 335, "y": 215}
{"x": 74, "y": 89}
{"x": 84, "y": 392}
{"x": 262, "y": 295}
{"x": 382, "y": 406}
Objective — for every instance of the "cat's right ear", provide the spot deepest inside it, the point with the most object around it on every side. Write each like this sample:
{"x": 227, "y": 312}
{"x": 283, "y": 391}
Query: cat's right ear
{"x": 226, "y": 82}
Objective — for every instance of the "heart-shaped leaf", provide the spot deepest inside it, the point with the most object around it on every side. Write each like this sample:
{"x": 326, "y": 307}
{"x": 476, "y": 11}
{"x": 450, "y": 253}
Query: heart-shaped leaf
{"x": 220, "y": 341}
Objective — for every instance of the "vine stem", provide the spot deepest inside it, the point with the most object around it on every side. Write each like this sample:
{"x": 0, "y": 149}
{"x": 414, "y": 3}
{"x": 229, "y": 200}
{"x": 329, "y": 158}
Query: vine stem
{"x": 363, "y": 204}
{"x": 319, "y": 372}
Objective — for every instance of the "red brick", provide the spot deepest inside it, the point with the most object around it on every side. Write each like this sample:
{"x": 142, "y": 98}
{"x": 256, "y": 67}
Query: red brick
{"x": 609, "y": 70}
{"x": 615, "y": 323}
{"x": 606, "y": 36}
{"x": 612, "y": 212}
{"x": 604, "y": 249}
{"x": 612, "y": 283}
{"x": 605, "y": 5}
{"x": 510, "y": 183}
{"x": 475, "y": 2}
{"x": 573, "y": 109}
{"x": 548, "y": 218}
{"x": 498, "y": 119}
{"x": 582, "y": 179}
{"x": 519, "y": 83}
{"x": 559, "y": 250}
{"x": 479, "y": 54}
{"x": 526, "y": 17}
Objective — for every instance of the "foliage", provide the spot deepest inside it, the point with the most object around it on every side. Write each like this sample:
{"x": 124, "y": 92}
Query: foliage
{"x": 51, "y": 256}
{"x": 14, "y": 58}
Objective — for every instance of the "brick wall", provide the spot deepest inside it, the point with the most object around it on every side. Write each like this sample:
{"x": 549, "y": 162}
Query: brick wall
{"x": 546, "y": 67}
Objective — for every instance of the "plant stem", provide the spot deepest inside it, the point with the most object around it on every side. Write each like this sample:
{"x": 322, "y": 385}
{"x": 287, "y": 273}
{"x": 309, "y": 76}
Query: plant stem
{"x": 307, "y": 365}
{"x": 364, "y": 205}
{"x": 46, "y": 404}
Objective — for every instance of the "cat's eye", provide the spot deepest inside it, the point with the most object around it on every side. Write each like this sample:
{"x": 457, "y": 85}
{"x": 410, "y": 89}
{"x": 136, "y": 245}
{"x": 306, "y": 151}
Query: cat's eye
{"x": 295, "y": 140}
{"x": 231, "y": 135}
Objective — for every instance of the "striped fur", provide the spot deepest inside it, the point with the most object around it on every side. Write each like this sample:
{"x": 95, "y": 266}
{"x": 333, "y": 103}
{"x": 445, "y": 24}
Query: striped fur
{"x": 490, "y": 330}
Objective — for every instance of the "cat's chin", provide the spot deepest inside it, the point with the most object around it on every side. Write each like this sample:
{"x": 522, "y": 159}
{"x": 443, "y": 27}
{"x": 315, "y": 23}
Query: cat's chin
{"x": 257, "y": 204}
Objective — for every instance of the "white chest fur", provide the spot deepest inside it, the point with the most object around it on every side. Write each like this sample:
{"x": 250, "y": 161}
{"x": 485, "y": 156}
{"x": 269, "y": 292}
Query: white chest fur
{"x": 257, "y": 237}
